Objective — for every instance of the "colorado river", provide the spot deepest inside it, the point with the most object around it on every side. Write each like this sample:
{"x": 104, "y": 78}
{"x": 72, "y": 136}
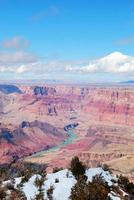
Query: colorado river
{"x": 70, "y": 140}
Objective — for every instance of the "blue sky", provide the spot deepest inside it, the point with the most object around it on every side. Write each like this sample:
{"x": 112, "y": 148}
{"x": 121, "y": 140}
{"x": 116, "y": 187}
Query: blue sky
{"x": 62, "y": 37}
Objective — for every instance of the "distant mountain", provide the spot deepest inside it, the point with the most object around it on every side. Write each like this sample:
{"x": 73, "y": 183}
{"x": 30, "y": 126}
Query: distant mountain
{"x": 8, "y": 89}
{"x": 127, "y": 82}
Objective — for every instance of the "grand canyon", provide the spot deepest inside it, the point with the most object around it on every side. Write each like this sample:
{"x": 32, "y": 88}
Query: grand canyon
{"x": 51, "y": 123}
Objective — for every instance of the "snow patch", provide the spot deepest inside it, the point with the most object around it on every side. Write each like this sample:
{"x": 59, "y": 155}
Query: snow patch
{"x": 62, "y": 188}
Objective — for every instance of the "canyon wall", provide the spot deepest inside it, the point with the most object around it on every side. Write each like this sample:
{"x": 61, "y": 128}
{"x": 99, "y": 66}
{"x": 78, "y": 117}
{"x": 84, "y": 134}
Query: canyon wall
{"x": 108, "y": 104}
{"x": 105, "y": 117}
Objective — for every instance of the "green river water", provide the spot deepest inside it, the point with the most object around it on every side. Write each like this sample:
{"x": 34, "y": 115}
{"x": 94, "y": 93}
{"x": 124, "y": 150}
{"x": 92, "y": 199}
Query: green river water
{"x": 70, "y": 140}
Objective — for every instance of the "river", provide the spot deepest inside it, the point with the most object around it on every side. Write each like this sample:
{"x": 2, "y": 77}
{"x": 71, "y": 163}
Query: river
{"x": 70, "y": 140}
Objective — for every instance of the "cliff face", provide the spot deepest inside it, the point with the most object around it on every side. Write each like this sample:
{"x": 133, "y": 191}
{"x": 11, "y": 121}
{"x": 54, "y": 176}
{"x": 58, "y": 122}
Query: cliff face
{"x": 35, "y": 119}
{"x": 27, "y": 138}
{"x": 113, "y": 105}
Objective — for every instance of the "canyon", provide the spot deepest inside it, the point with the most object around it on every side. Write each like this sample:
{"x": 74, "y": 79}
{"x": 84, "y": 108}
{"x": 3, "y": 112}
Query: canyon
{"x": 33, "y": 119}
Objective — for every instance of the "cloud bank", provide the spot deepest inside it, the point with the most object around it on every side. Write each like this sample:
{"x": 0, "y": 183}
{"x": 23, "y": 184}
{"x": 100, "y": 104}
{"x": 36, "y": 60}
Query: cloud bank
{"x": 18, "y": 57}
{"x": 19, "y": 62}
{"x": 115, "y": 62}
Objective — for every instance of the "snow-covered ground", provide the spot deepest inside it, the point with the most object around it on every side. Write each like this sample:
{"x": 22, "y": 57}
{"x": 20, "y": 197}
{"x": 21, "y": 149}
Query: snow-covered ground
{"x": 62, "y": 189}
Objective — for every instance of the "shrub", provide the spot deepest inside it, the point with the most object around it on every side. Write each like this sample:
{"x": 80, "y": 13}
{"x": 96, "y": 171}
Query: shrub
{"x": 77, "y": 167}
{"x": 127, "y": 186}
{"x": 67, "y": 174}
{"x": 56, "y": 169}
{"x": 2, "y": 193}
{"x": 25, "y": 178}
{"x": 56, "y": 180}
{"x": 123, "y": 182}
{"x": 95, "y": 190}
{"x": 10, "y": 186}
{"x": 39, "y": 182}
{"x": 17, "y": 195}
{"x": 50, "y": 193}
{"x": 105, "y": 167}
{"x": 39, "y": 196}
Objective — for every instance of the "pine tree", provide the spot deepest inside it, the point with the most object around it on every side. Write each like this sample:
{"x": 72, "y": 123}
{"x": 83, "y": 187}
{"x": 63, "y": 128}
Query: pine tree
{"x": 17, "y": 195}
{"x": 40, "y": 196}
{"x": 50, "y": 193}
{"x": 98, "y": 189}
{"x": 77, "y": 167}
{"x": 39, "y": 182}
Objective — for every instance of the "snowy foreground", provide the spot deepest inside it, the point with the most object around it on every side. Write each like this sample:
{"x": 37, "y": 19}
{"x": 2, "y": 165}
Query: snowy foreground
{"x": 62, "y": 189}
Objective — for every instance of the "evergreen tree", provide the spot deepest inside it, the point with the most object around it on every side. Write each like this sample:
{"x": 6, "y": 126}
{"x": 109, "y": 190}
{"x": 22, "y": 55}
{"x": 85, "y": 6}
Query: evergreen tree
{"x": 17, "y": 195}
{"x": 39, "y": 182}
{"x": 39, "y": 196}
{"x": 77, "y": 167}
{"x": 50, "y": 193}
{"x": 98, "y": 189}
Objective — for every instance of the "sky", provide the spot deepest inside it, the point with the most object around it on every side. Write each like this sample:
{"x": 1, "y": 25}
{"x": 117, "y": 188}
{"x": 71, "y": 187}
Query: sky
{"x": 70, "y": 40}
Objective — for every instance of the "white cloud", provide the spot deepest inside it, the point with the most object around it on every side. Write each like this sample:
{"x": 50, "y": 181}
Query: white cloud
{"x": 21, "y": 63}
{"x": 113, "y": 63}
{"x": 17, "y": 57}
{"x": 22, "y": 69}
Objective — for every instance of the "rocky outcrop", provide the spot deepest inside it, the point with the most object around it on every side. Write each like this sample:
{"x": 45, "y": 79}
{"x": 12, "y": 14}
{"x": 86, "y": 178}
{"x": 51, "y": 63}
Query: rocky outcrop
{"x": 70, "y": 126}
{"x": 27, "y": 138}
{"x": 45, "y": 127}
{"x": 8, "y": 89}
{"x": 94, "y": 159}
{"x": 44, "y": 91}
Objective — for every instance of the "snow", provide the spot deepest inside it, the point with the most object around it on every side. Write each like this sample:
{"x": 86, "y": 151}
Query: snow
{"x": 114, "y": 196}
{"x": 62, "y": 189}
{"x": 105, "y": 174}
{"x": 29, "y": 188}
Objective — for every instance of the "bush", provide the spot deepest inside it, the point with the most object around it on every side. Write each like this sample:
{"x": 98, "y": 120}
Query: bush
{"x": 50, "y": 193}
{"x": 56, "y": 169}
{"x": 77, "y": 167}
{"x": 10, "y": 186}
{"x": 56, "y": 180}
{"x": 67, "y": 174}
{"x": 39, "y": 182}
{"x": 123, "y": 182}
{"x": 13, "y": 170}
{"x": 17, "y": 195}
{"x": 105, "y": 167}
{"x": 95, "y": 190}
{"x": 39, "y": 196}
{"x": 127, "y": 186}
{"x": 25, "y": 178}
{"x": 2, "y": 193}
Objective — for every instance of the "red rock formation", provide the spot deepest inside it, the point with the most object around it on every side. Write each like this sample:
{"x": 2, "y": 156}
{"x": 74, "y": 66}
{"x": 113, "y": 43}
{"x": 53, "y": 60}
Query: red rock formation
{"x": 16, "y": 142}
{"x": 100, "y": 105}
